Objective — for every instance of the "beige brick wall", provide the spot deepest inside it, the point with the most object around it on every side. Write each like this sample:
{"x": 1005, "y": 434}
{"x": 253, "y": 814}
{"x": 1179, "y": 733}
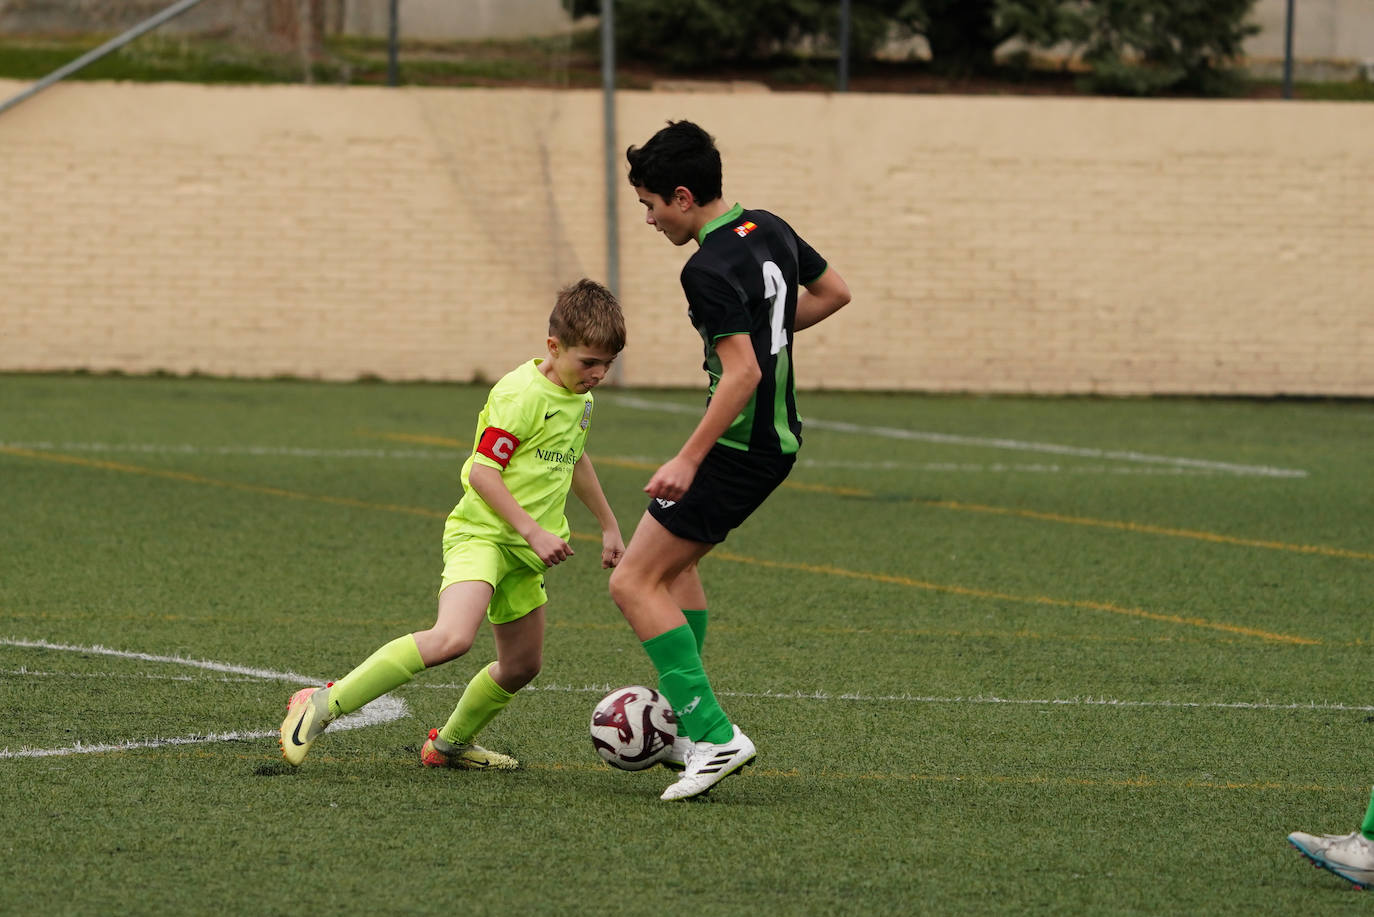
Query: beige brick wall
{"x": 993, "y": 244}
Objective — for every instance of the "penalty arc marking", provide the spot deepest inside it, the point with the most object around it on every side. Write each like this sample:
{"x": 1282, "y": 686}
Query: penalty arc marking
{"x": 384, "y": 709}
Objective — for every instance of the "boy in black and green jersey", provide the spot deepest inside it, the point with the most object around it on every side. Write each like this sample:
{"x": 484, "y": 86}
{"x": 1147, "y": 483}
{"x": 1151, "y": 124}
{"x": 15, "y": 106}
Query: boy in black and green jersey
{"x": 529, "y": 450}
{"x": 742, "y": 296}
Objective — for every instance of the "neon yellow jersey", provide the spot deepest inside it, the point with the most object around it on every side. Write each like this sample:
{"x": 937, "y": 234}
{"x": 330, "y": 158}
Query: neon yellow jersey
{"x": 533, "y": 431}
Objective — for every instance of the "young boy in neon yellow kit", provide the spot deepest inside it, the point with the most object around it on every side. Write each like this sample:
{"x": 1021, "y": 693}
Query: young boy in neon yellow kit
{"x": 509, "y": 527}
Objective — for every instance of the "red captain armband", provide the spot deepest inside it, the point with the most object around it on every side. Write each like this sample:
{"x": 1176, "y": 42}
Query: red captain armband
{"x": 498, "y": 445}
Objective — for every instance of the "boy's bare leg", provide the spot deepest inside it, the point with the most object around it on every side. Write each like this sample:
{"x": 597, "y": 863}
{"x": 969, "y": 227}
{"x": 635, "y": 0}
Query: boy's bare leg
{"x": 462, "y": 609}
{"x": 643, "y": 584}
{"x": 657, "y": 570}
{"x": 519, "y": 657}
{"x": 310, "y": 710}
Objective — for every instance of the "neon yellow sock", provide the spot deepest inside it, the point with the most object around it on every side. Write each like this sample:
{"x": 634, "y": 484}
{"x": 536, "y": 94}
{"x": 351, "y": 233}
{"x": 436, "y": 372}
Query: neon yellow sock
{"x": 385, "y": 670}
{"x": 696, "y": 620}
{"x": 482, "y": 699}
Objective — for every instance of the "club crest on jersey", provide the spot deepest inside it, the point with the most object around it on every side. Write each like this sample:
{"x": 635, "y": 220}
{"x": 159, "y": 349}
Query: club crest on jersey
{"x": 745, "y": 228}
{"x": 586, "y": 415}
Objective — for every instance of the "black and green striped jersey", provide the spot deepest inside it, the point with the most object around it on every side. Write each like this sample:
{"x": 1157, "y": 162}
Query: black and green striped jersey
{"x": 743, "y": 280}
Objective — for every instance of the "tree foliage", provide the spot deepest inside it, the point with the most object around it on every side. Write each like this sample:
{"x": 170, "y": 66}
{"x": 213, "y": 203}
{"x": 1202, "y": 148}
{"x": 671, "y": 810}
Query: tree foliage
{"x": 1143, "y": 47}
{"x": 1132, "y": 47}
{"x": 699, "y": 34}
{"x": 963, "y": 34}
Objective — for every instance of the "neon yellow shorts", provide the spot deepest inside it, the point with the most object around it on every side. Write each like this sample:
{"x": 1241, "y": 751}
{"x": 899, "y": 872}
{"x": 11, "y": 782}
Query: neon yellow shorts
{"x": 518, "y": 587}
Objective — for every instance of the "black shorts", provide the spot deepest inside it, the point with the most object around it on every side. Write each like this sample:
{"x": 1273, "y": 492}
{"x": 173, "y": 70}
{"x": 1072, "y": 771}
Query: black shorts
{"x": 729, "y": 485}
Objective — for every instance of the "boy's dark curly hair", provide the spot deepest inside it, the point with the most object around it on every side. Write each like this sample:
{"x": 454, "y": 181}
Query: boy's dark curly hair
{"x": 679, "y": 155}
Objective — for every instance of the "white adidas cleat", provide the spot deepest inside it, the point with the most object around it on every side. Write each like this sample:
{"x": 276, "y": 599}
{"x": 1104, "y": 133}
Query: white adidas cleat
{"x": 709, "y": 764}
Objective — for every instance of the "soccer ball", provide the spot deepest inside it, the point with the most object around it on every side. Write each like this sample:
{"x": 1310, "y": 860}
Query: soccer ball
{"x": 633, "y": 728}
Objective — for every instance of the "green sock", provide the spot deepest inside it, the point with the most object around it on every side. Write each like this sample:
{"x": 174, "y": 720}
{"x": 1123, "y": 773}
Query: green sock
{"x": 696, "y": 620}
{"x": 482, "y": 699}
{"x": 390, "y": 667}
{"x": 1367, "y": 826}
{"x": 683, "y": 681}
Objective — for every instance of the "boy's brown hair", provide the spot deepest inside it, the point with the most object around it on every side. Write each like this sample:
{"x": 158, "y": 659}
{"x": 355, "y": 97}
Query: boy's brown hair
{"x": 586, "y": 314}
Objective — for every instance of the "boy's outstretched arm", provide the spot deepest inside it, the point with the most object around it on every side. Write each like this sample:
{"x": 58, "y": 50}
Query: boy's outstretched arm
{"x": 492, "y": 488}
{"x": 587, "y": 487}
{"x": 820, "y": 299}
{"x": 739, "y": 379}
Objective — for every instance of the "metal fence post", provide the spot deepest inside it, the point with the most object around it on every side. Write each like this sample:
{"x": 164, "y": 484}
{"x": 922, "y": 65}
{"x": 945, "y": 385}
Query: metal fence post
{"x": 1288, "y": 53}
{"x": 114, "y": 44}
{"x": 393, "y": 38}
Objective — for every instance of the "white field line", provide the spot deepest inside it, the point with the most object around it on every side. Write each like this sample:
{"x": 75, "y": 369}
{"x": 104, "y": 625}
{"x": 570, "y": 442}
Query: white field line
{"x": 448, "y": 455}
{"x": 82, "y": 749}
{"x": 669, "y": 407}
{"x": 968, "y": 467}
{"x": 1173, "y": 465}
{"x": 1001, "y": 468}
{"x": 603, "y": 689}
{"x": 24, "y": 672}
{"x": 263, "y": 451}
{"x": 382, "y": 710}
{"x": 205, "y": 664}
{"x": 368, "y": 717}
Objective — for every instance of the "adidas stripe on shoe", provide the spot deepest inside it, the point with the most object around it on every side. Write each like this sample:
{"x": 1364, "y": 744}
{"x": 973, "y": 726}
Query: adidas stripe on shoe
{"x": 709, "y": 764}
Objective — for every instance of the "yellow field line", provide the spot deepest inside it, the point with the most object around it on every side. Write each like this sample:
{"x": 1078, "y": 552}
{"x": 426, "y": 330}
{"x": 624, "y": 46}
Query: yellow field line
{"x": 1141, "y": 781}
{"x": 1148, "y": 529}
{"x": 612, "y": 462}
{"x": 959, "y": 506}
{"x": 421, "y": 438}
{"x": 216, "y": 482}
{"x": 826, "y": 570}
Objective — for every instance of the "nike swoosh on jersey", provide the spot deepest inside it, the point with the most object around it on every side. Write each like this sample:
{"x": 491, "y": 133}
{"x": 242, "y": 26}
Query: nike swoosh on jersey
{"x": 550, "y": 414}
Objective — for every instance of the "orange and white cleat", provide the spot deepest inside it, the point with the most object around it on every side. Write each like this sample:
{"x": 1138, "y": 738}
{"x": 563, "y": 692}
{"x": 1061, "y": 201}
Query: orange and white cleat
{"x": 463, "y": 755}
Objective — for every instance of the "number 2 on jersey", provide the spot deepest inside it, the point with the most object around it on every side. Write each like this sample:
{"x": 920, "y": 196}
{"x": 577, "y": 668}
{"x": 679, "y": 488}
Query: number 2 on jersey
{"x": 775, "y": 288}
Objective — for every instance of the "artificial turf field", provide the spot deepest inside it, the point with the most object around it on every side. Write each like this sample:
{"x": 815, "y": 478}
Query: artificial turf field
{"x": 999, "y": 655}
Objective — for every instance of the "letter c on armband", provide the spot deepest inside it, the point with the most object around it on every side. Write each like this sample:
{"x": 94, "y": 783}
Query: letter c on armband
{"x": 498, "y": 445}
